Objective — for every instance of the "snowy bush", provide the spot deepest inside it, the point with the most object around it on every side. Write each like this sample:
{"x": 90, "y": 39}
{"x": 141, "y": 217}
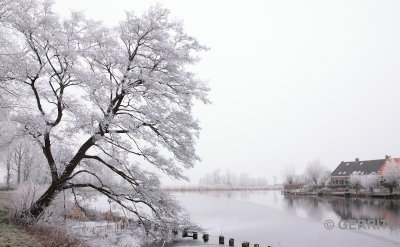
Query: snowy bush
{"x": 23, "y": 197}
{"x": 370, "y": 181}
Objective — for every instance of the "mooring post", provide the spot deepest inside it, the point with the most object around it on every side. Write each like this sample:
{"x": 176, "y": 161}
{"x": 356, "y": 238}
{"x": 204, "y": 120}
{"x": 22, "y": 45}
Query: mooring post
{"x": 206, "y": 237}
{"x": 194, "y": 235}
{"x": 221, "y": 240}
{"x": 245, "y": 244}
{"x": 231, "y": 242}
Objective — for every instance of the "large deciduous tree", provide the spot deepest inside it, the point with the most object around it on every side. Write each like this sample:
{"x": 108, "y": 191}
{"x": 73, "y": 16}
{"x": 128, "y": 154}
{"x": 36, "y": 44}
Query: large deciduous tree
{"x": 104, "y": 104}
{"x": 289, "y": 176}
{"x": 315, "y": 173}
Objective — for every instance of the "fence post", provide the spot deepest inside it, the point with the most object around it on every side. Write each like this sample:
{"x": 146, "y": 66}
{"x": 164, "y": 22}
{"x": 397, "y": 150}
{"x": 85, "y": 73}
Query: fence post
{"x": 221, "y": 240}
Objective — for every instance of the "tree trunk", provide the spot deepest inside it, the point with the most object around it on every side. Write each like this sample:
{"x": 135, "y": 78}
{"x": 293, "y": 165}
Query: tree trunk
{"x": 38, "y": 207}
{"x": 26, "y": 172}
{"x": 18, "y": 156}
{"x": 19, "y": 174}
{"x": 57, "y": 182}
{"x": 8, "y": 175}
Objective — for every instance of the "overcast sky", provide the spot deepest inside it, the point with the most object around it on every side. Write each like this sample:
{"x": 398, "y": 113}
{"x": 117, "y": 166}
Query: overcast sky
{"x": 291, "y": 81}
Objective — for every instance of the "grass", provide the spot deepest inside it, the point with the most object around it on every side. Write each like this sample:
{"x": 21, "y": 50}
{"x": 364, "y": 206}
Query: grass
{"x": 31, "y": 235}
{"x": 11, "y": 235}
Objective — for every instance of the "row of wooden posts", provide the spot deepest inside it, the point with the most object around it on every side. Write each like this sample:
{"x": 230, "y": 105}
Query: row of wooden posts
{"x": 221, "y": 239}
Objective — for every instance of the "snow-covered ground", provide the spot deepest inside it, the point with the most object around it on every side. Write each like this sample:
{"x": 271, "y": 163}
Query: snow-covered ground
{"x": 96, "y": 233}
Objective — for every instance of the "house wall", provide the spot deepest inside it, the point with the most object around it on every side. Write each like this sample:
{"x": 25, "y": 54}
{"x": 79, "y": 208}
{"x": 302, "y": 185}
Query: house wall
{"x": 397, "y": 160}
{"x": 340, "y": 180}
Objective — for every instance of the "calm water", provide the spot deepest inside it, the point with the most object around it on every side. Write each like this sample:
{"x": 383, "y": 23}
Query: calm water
{"x": 269, "y": 218}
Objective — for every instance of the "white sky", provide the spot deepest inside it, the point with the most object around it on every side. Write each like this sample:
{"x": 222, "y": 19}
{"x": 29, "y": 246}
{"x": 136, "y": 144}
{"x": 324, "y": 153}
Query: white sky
{"x": 291, "y": 81}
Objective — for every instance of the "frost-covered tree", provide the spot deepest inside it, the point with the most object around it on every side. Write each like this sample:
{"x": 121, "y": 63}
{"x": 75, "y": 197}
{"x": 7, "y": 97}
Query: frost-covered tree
{"x": 289, "y": 175}
{"x": 391, "y": 174}
{"x": 370, "y": 181}
{"x": 316, "y": 173}
{"x": 23, "y": 162}
{"x": 355, "y": 181}
{"x": 244, "y": 179}
{"x": 104, "y": 104}
{"x": 229, "y": 179}
{"x": 7, "y": 165}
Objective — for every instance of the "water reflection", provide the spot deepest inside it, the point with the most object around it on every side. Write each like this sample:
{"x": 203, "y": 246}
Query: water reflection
{"x": 230, "y": 194}
{"x": 270, "y": 218}
{"x": 313, "y": 207}
{"x": 347, "y": 208}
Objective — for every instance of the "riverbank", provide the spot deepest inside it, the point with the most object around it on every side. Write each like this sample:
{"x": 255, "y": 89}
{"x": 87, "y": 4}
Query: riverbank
{"x": 213, "y": 188}
{"x": 12, "y": 235}
{"x": 347, "y": 194}
{"x": 30, "y": 236}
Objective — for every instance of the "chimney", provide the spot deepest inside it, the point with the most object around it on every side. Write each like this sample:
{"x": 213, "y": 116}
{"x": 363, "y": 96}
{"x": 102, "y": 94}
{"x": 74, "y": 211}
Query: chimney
{"x": 387, "y": 157}
{"x": 357, "y": 159}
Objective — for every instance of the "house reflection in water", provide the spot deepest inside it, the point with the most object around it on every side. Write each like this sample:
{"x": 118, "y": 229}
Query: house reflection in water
{"x": 347, "y": 208}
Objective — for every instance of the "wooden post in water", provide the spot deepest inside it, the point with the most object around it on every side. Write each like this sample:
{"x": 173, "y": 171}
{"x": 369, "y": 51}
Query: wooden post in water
{"x": 194, "y": 235}
{"x": 231, "y": 242}
{"x": 206, "y": 237}
{"x": 245, "y": 244}
{"x": 221, "y": 240}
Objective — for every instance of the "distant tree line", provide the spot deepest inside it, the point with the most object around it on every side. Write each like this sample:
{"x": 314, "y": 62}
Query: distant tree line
{"x": 22, "y": 164}
{"x": 230, "y": 179}
{"x": 314, "y": 174}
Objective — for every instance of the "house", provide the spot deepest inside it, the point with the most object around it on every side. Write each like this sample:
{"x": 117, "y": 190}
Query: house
{"x": 341, "y": 175}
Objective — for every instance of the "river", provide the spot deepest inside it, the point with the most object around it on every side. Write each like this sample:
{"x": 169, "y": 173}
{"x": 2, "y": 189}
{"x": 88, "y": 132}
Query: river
{"x": 272, "y": 219}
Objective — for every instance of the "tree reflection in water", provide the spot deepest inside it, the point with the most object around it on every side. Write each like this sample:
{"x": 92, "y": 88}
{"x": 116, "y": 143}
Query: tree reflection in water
{"x": 347, "y": 208}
